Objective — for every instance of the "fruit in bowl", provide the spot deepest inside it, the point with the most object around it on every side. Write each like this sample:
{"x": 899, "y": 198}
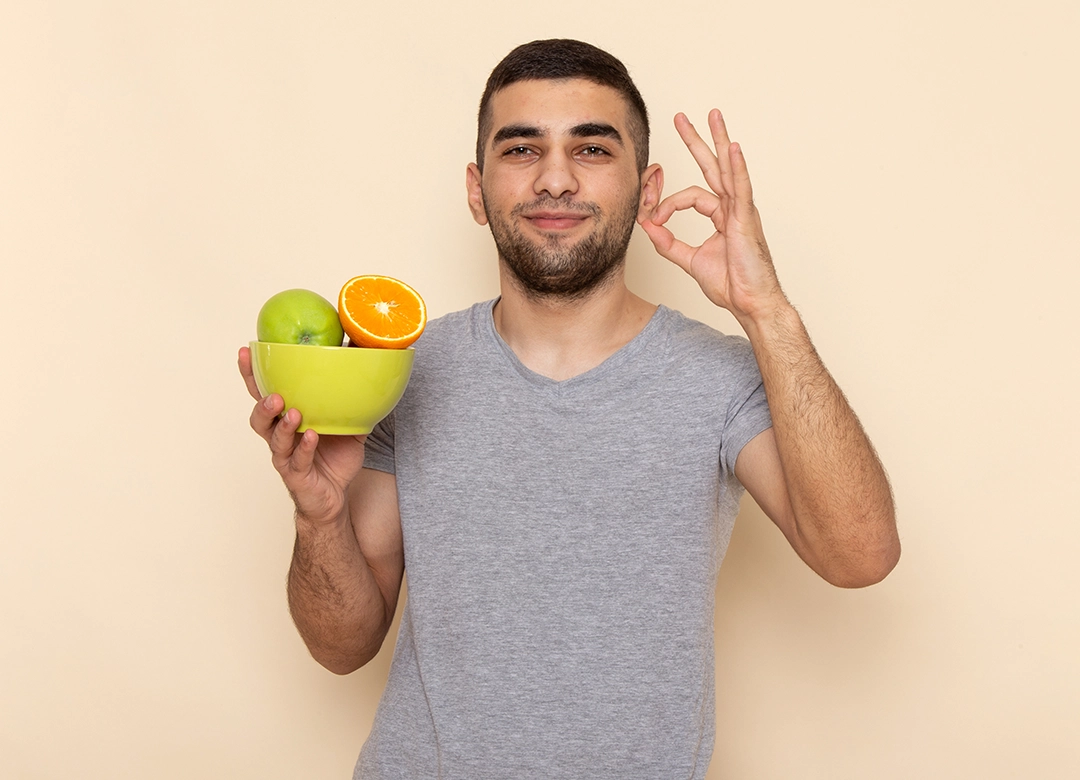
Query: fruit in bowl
{"x": 338, "y": 390}
{"x": 299, "y": 317}
{"x": 381, "y": 312}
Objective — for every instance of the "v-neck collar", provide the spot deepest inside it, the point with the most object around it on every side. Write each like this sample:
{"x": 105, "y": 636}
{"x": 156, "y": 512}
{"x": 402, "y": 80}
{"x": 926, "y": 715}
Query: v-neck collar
{"x": 611, "y": 363}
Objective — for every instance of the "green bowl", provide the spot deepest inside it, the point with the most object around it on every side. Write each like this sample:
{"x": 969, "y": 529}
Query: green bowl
{"x": 338, "y": 390}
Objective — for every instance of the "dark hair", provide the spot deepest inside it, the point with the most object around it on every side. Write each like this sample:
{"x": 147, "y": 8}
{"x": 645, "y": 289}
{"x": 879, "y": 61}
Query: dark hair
{"x": 561, "y": 58}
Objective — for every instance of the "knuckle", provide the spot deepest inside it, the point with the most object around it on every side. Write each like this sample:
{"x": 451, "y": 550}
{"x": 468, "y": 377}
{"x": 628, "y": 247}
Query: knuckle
{"x": 297, "y": 463}
{"x": 280, "y": 448}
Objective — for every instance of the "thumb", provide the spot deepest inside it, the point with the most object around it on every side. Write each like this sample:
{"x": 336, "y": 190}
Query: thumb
{"x": 661, "y": 237}
{"x": 667, "y": 246}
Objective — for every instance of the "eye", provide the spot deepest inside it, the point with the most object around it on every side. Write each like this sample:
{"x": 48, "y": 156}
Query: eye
{"x": 593, "y": 150}
{"x": 517, "y": 151}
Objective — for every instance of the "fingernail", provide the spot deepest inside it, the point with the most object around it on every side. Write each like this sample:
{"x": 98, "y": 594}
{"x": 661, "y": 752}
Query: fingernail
{"x": 268, "y": 402}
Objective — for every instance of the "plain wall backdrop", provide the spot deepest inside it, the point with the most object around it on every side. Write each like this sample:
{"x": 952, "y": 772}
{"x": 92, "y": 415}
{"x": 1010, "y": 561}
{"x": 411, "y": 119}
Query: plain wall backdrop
{"x": 167, "y": 166}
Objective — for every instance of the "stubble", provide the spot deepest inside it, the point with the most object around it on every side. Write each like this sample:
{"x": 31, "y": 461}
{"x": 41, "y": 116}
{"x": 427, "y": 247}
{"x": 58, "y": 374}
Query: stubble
{"x": 553, "y": 268}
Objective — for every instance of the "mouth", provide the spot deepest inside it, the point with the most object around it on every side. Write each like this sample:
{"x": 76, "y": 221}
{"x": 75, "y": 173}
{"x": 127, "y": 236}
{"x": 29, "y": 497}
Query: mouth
{"x": 555, "y": 220}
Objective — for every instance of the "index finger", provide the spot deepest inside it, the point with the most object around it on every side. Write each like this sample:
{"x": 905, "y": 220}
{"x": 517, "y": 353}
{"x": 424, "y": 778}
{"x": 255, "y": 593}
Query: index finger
{"x": 243, "y": 362}
{"x": 705, "y": 157}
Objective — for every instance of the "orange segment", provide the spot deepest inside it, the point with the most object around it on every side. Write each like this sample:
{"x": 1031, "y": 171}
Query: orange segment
{"x": 377, "y": 311}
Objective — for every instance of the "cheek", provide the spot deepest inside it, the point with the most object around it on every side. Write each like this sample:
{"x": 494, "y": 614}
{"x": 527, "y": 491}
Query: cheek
{"x": 622, "y": 198}
{"x": 498, "y": 198}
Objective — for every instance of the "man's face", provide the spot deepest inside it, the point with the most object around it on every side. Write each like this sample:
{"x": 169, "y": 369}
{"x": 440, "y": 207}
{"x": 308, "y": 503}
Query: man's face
{"x": 560, "y": 188}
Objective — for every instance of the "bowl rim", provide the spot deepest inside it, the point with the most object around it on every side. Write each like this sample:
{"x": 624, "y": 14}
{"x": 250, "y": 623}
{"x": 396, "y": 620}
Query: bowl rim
{"x": 284, "y": 344}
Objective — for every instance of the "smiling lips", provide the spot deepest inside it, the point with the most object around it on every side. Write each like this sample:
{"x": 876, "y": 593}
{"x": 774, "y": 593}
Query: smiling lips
{"x": 556, "y": 220}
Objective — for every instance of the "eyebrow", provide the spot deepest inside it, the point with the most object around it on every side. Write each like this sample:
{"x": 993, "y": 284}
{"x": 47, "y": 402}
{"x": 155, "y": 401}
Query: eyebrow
{"x": 584, "y": 130}
{"x": 596, "y": 130}
{"x": 516, "y": 131}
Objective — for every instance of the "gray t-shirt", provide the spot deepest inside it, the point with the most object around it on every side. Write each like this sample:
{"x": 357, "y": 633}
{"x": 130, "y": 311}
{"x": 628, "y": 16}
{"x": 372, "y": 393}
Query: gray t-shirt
{"x": 562, "y": 541}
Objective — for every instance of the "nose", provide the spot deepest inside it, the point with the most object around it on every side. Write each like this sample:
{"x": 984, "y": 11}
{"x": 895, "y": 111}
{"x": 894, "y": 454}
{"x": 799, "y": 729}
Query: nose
{"x": 555, "y": 175}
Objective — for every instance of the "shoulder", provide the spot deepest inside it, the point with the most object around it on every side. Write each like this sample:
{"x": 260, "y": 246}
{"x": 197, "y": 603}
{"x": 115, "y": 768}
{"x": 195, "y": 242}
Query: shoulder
{"x": 451, "y": 341}
{"x": 453, "y": 329}
{"x": 452, "y": 364}
{"x": 691, "y": 340}
{"x": 455, "y": 322}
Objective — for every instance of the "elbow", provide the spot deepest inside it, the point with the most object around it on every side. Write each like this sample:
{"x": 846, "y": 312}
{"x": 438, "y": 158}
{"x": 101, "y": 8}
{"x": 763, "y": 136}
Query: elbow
{"x": 340, "y": 669}
{"x": 342, "y": 648}
{"x": 343, "y": 665}
{"x": 343, "y": 660}
{"x": 868, "y": 554}
{"x": 867, "y": 570}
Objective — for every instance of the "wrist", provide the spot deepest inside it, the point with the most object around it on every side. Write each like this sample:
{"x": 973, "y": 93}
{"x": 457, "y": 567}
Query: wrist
{"x": 314, "y": 525}
{"x": 774, "y": 318}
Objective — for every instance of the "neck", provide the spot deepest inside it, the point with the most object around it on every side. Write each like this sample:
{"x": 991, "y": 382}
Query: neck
{"x": 560, "y": 337}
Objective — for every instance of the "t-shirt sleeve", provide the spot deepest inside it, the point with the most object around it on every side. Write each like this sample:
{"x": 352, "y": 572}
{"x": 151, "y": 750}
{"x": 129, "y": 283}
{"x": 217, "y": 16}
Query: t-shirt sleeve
{"x": 748, "y": 413}
{"x": 379, "y": 447}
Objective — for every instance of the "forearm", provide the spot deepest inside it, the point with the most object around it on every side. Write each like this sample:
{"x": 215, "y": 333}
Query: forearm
{"x": 841, "y": 502}
{"x": 334, "y": 597}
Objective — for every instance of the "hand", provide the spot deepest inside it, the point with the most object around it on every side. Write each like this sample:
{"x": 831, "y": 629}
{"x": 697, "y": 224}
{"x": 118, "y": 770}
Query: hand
{"x": 317, "y": 471}
{"x": 733, "y": 266}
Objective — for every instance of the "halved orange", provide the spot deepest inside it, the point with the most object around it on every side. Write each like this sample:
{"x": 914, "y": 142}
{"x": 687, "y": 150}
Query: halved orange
{"x": 378, "y": 311}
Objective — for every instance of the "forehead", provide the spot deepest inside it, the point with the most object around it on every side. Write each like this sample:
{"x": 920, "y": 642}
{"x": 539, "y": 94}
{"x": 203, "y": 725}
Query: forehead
{"x": 558, "y": 105}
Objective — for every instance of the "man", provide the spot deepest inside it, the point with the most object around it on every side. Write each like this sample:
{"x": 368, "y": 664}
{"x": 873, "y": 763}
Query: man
{"x": 561, "y": 478}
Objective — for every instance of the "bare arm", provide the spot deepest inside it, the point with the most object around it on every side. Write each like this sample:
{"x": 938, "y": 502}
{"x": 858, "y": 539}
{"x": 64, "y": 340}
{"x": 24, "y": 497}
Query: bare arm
{"x": 346, "y": 575}
{"x": 815, "y": 472}
{"x": 348, "y": 561}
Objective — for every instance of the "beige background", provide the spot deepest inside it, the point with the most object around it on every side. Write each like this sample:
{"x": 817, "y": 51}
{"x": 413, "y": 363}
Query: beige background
{"x": 165, "y": 167}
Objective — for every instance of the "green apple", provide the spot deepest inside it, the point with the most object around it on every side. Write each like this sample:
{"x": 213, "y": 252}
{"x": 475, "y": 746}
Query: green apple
{"x": 299, "y": 317}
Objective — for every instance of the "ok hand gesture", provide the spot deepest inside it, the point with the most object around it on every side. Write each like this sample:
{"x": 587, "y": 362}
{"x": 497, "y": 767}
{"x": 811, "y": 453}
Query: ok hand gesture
{"x": 732, "y": 266}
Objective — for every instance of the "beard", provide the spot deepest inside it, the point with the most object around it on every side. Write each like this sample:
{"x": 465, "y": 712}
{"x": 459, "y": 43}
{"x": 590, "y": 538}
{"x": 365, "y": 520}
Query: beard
{"x": 552, "y": 269}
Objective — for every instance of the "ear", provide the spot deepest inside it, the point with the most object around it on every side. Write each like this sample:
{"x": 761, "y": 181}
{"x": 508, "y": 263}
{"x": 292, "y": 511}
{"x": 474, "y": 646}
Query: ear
{"x": 473, "y": 179}
{"x": 652, "y": 189}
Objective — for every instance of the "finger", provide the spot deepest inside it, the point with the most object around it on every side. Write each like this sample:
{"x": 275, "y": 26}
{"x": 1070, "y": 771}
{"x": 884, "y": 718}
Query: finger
{"x": 744, "y": 193}
{"x": 669, "y": 247}
{"x": 283, "y": 439}
{"x": 264, "y": 415}
{"x": 697, "y": 198}
{"x": 303, "y": 455}
{"x": 723, "y": 145}
{"x": 705, "y": 157}
{"x": 243, "y": 361}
